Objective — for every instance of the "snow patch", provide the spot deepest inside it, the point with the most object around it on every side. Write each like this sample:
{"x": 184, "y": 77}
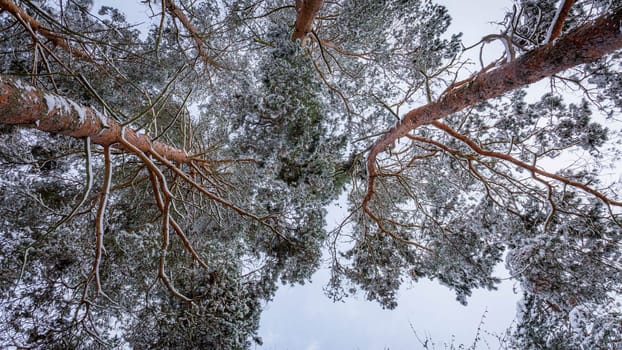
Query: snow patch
{"x": 105, "y": 120}
{"x": 65, "y": 105}
{"x": 80, "y": 109}
{"x": 102, "y": 117}
{"x": 56, "y": 103}
{"x": 549, "y": 32}
{"x": 74, "y": 172}
{"x": 28, "y": 88}
{"x": 18, "y": 84}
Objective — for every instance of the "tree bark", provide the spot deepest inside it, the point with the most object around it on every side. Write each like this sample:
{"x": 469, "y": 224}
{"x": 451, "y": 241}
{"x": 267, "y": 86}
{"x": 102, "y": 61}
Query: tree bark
{"x": 306, "y": 11}
{"x": 23, "y": 104}
{"x": 585, "y": 44}
{"x": 558, "y": 22}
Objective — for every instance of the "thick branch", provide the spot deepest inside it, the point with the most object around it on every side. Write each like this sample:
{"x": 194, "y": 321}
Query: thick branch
{"x": 585, "y": 44}
{"x": 306, "y": 10}
{"x": 22, "y": 104}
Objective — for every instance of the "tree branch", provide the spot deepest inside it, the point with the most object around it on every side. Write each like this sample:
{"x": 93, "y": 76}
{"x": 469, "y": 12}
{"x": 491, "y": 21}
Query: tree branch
{"x": 558, "y": 22}
{"x": 26, "y": 20}
{"x": 585, "y": 44}
{"x": 532, "y": 168}
{"x": 22, "y": 104}
{"x": 99, "y": 222}
{"x": 198, "y": 41}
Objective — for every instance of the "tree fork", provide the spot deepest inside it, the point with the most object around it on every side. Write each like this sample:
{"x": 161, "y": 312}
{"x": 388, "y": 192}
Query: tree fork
{"x": 23, "y": 104}
{"x": 585, "y": 44}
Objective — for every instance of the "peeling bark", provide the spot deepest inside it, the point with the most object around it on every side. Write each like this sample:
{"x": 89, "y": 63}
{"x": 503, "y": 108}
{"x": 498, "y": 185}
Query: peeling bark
{"x": 23, "y": 104}
{"x": 584, "y": 44}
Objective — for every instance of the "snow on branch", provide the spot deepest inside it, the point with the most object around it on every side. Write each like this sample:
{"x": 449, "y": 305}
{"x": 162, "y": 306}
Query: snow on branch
{"x": 558, "y": 21}
{"x": 23, "y": 104}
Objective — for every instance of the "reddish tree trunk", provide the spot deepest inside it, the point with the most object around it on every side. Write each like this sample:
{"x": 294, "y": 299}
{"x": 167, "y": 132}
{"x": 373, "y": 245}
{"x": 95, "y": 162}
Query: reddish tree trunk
{"x": 306, "y": 11}
{"x": 584, "y": 44}
{"x": 22, "y": 104}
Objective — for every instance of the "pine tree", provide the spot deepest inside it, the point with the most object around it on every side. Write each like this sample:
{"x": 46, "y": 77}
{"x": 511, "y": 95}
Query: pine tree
{"x": 160, "y": 181}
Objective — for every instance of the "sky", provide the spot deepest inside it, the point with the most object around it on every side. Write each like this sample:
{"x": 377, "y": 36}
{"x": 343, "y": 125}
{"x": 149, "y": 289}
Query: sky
{"x": 303, "y": 318}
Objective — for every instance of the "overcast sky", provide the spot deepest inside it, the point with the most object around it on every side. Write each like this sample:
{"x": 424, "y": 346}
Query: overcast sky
{"x": 303, "y": 318}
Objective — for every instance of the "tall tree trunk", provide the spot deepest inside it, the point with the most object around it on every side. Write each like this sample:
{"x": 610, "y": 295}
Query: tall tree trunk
{"x": 306, "y": 11}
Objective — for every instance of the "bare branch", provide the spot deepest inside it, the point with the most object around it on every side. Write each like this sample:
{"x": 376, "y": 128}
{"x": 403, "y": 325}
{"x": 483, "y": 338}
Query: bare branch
{"x": 99, "y": 221}
{"x": 532, "y": 168}
{"x": 198, "y": 41}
